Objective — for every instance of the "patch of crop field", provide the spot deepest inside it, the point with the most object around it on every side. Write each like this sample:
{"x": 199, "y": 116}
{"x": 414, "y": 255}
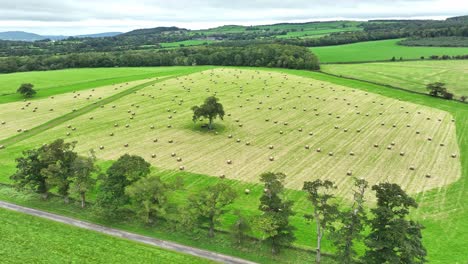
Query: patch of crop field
{"x": 29, "y": 239}
{"x": 48, "y": 83}
{"x": 414, "y": 75}
{"x": 185, "y": 43}
{"x": 306, "y": 128}
{"x": 317, "y": 33}
{"x": 380, "y": 51}
{"x": 19, "y": 117}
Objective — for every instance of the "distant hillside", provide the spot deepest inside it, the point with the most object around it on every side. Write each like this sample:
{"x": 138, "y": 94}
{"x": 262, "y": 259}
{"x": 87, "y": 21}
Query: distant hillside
{"x": 152, "y": 31}
{"x": 20, "y": 35}
{"x": 26, "y": 36}
{"x": 459, "y": 18}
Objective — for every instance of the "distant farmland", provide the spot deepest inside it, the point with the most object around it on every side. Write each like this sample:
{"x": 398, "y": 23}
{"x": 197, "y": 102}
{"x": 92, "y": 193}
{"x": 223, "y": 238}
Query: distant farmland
{"x": 414, "y": 75}
{"x": 379, "y": 51}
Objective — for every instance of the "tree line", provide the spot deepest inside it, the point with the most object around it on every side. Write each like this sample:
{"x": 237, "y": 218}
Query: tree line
{"x": 129, "y": 189}
{"x": 261, "y": 55}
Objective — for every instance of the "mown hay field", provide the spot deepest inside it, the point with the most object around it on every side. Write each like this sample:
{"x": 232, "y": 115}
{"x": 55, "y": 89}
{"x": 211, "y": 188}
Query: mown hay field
{"x": 306, "y": 128}
{"x": 410, "y": 75}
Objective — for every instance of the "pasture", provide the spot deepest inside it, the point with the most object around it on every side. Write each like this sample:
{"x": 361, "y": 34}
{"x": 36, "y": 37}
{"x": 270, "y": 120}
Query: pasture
{"x": 414, "y": 75}
{"x": 305, "y": 128}
{"x": 440, "y": 195}
{"x": 28, "y": 239}
{"x": 381, "y": 50}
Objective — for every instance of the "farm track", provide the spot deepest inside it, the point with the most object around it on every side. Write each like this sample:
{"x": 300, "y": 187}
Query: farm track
{"x": 79, "y": 112}
{"x": 126, "y": 235}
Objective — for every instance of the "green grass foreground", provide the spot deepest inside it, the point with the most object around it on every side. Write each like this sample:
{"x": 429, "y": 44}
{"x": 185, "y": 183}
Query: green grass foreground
{"x": 29, "y": 239}
{"x": 382, "y": 50}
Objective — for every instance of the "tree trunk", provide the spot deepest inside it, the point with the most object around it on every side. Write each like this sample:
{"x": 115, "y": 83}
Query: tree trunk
{"x": 83, "y": 200}
{"x": 210, "y": 125}
{"x": 211, "y": 233}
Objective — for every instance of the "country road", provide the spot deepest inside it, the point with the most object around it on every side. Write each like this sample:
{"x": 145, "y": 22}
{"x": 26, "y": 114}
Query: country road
{"x": 127, "y": 235}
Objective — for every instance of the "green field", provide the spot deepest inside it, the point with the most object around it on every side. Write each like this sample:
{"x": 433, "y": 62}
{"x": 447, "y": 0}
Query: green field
{"x": 185, "y": 43}
{"x": 28, "y": 239}
{"x": 380, "y": 51}
{"x": 414, "y": 75}
{"x": 50, "y": 83}
{"x": 442, "y": 207}
{"x": 317, "y": 33}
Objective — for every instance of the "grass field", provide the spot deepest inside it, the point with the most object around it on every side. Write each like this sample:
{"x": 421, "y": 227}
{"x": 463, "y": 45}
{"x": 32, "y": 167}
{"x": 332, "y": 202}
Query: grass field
{"x": 317, "y": 33}
{"x": 185, "y": 43}
{"x": 414, "y": 75}
{"x": 28, "y": 239}
{"x": 310, "y": 114}
{"x": 50, "y": 83}
{"x": 379, "y": 51}
{"x": 442, "y": 209}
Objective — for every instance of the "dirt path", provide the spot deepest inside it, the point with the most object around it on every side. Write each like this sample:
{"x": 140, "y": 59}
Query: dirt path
{"x": 123, "y": 234}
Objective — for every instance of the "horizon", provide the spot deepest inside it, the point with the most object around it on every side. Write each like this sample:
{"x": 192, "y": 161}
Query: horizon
{"x": 69, "y": 18}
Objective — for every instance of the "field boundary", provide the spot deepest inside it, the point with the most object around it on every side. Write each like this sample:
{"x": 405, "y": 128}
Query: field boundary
{"x": 126, "y": 235}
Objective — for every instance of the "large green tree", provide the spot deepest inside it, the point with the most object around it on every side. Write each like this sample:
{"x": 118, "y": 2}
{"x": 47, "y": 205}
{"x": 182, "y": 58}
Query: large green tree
{"x": 26, "y": 90}
{"x": 210, "y": 203}
{"x": 82, "y": 170}
{"x": 210, "y": 109}
{"x": 149, "y": 198}
{"x": 46, "y": 167}
{"x": 319, "y": 193}
{"x": 436, "y": 89}
{"x": 122, "y": 173}
{"x": 352, "y": 223}
{"x": 274, "y": 222}
{"x": 393, "y": 238}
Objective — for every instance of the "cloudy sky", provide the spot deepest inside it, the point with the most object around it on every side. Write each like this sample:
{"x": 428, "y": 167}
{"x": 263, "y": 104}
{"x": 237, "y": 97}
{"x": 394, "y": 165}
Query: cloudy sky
{"x": 71, "y": 17}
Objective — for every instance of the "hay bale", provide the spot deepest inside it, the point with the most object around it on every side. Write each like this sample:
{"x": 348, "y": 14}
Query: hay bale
{"x": 68, "y": 133}
{"x": 402, "y": 154}
{"x": 412, "y": 167}
{"x": 330, "y": 153}
{"x": 428, "y": 175}
{"x": 179, "y": 159}
{"x": 349, "y": 173}
{"x": 271, "y": 158}
{"x": 111, "y": 134}
{"x": 389, "y": 147}
{"x": 393, "y": 143}
{"x": 101, "y": 147}
{"x": 2, "y": 146}
{"x": 454, "y": 155}
{"x": 442, "y": 144}
{"x": 307, "y": 147}
{"x": 358, "y": 130}
{"x": 127, "y": 125}
{"x": 173, "y": 154}
{"x": 281, "y": 132}
{"x": 429, "y": 139}
{"x": 181, "y": 168}
{"x": 247, "y": 143}
{"x": 311, "y": 133}
{"x": 271, "y": 147}
{"x": 351, "y": 153}
{"x": 229, "y": 162}
{"x": 345, "y": 130}
{"x": 319, "y": 150}
{"x": 229, "y": 136}
{"x": 238, "y": 140}
{"x": 376, "y": 145}
{"x": 155, "y": 140}
{"x": 152, "y": 127}
{"x": 285, "y": 123}
{"x": 126, "y": 145}
{"x": 247, "y": 191}
{"x": 170, "y": 141}
{"x": 417, "y": 132}
{"x": 222, "y": 176}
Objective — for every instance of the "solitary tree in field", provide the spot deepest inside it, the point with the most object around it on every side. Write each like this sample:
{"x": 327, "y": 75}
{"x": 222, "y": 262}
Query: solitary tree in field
{"x": 274, "y": 222}
{"x": 325, "y": 212}
{"x": 26, "y": 90}
{"x": 210, "y": 203}
{"x": 82, "y": 170}
{"x": 393, "y": 238}
{"x": 463, "y": 98}
{"x": 436, "y": 89}
{"x": 210, "y": 109}
{"x": 352, "y": 223}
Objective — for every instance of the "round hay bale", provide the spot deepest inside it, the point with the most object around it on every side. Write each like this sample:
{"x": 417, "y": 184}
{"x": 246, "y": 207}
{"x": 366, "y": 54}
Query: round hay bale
{"x": 442, "y": 144}
{"x": 330, "y": 153}
{"x": 358, "y": 130}
{"x": 349, "y": 173}
{"x": 179, "y": 159}
{"x": 389, "y": 147}
{"x": 307, "y": 147}
{"x": 311, "y": 133}
{"x": 285, "y": 123}
{"x": 68, "y": 133}
{"x": 351, "y": 153}
{"x": 169, "y": 126}
{"x": 376, "y": 145}
{"x": 428, "y": 175}
{"x": 126, "y": 145}
{"x": 345, "y": 130}
{"x": 101, "y": 147}
{"x": 229, "y": 162}
{"x": 454, "y": 155}
{"x": 281, "y": 132}
{"x": 181, "y": 168}
{"x": 2, "y": 146}
{"x": 73, "y": 129}
{"x": 222, "y": 176}
{"x": 247, "y": 191}
{"x": 412, "y": 167}
{"x": 271, "y": 147}
{"x": 319, "y": 150}
{"x": 417, "y": 132}
{"x": 91, "y": 118}
{"x": 337, "y": 127}
{"x": 271, "y": 158}
{"x": 238, "y": 140}
{"x": 170, "y": 141}
{"x": 173, "y": 154}
{"x": 247, "y": 143}
{"x": 394, "y": 125}
{"x": 229, "y": 136}
{"x": 402, "y": 154}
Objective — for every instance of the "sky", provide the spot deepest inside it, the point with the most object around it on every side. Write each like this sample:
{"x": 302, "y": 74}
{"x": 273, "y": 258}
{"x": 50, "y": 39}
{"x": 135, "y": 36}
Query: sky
{"x": 74, "y": 17}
